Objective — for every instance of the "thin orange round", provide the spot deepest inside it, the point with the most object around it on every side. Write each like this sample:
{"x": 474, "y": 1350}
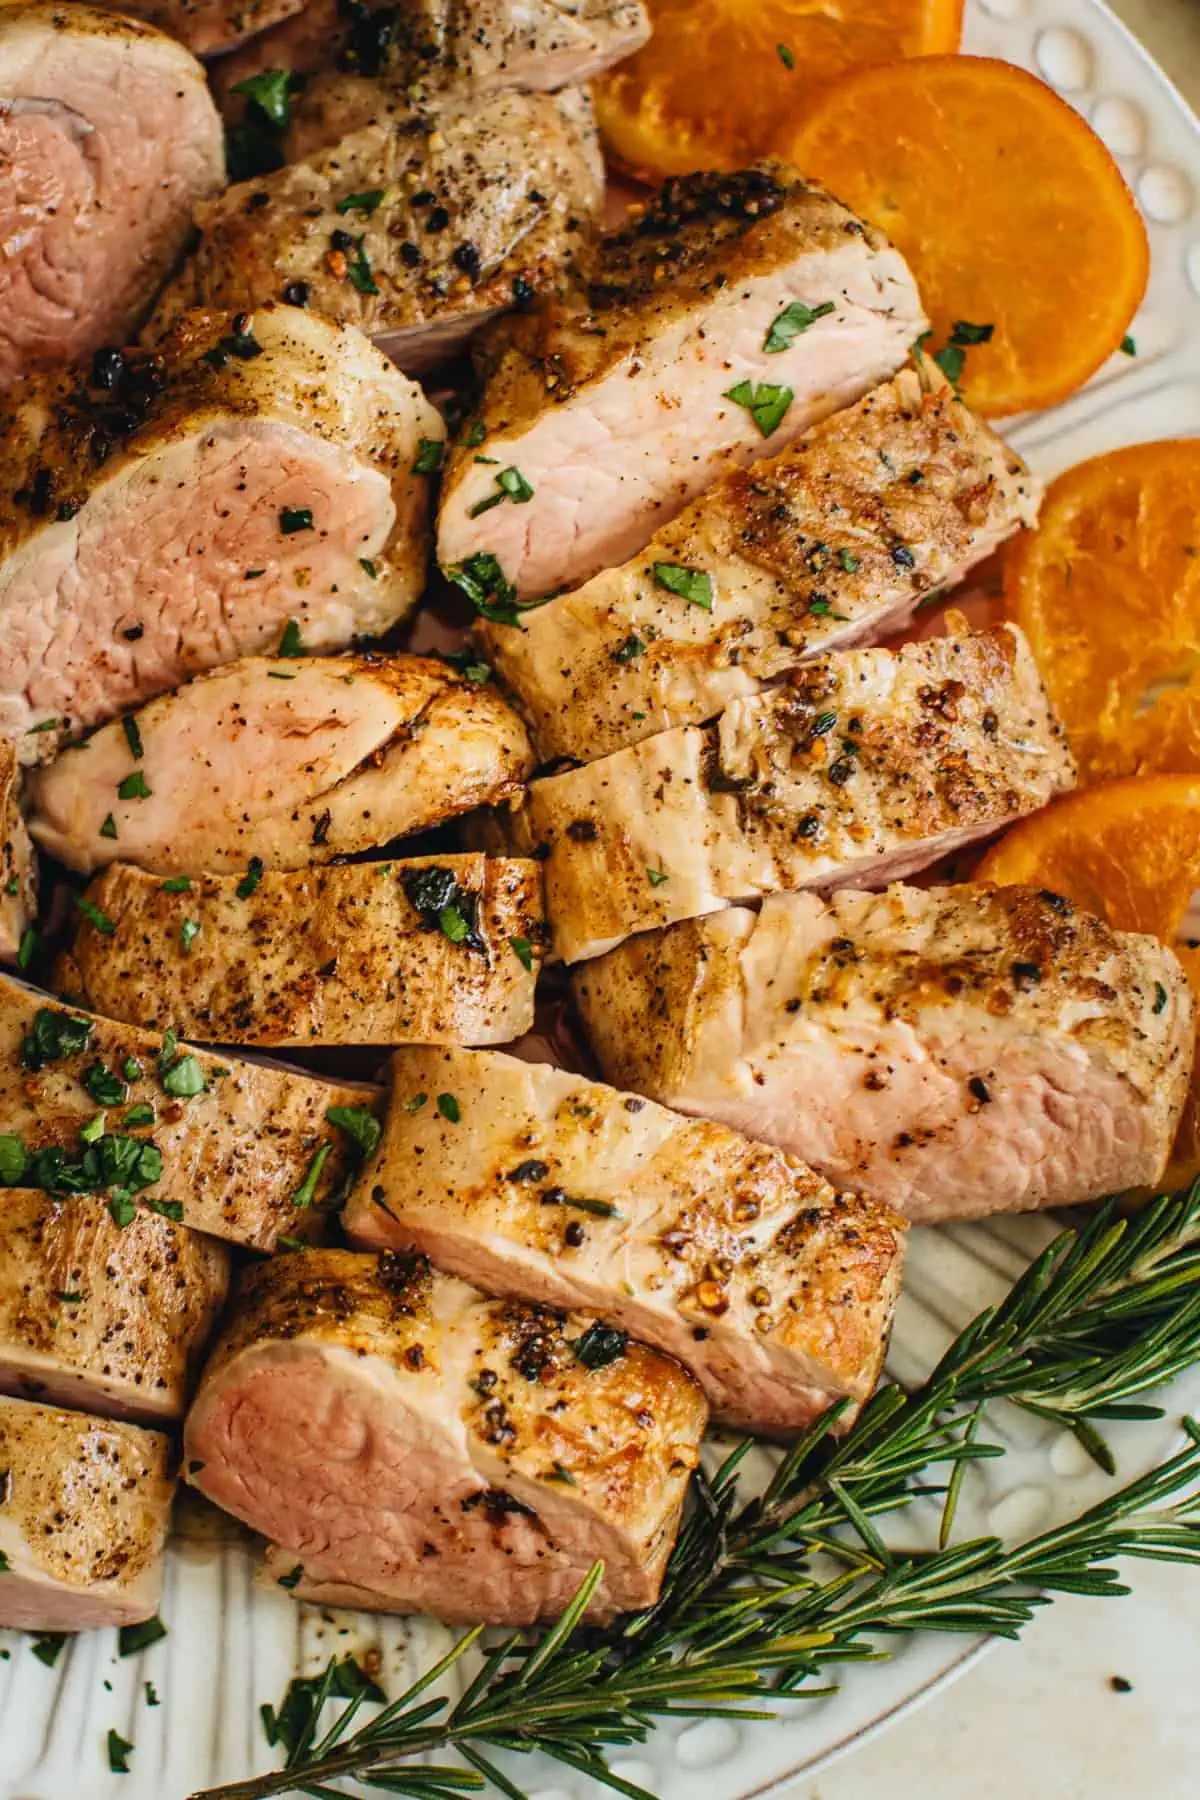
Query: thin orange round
{"x": 713, "y": 89}
{"x": 1129, "y": 851}
{"x": 1108, "y": 590}
{"x": 1008, "y": 207}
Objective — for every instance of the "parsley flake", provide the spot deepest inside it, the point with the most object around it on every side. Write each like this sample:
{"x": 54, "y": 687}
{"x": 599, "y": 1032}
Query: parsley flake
{"x": 429, "y": 456}
{"x": 133, "y": 737}
{"x": 251, "y": 879}
{"x": 306, "y": 1192}
{"x": 295, "y": 518}
{"x": 94, "y": 915}
{"x": 134, "y": 787}
{"x": 523, "y": 951}
{"x": 189, "y": 931}
{"x": 291, "y": 643}
{"x": 449, "y": 1108}
{"x": 695, "y": 585}
{"x": 364, "y": 203}
{"x": 786, "y": 326}
{"x": 767, "y": 404}
{"x": 270, "y": 94}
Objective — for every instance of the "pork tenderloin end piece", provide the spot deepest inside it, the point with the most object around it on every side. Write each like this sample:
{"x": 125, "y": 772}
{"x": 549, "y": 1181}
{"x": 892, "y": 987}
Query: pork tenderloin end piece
{"x": 733, "y": 1257}
{"x": 103, "y": 1317}
{"x": 108, "y": 141}
{"x": 478, "y": 206}
{"x": 210, "y": 27}
{"x": 164, "y": 513}
{"x": 18, "y": 861}
{"x": 457, "y": 1455}
{"x": 288, "y": 761}
{"x": 424, "y": 951}
{"x": 85, "y": 1519}
{"x": 614, "y": 404}
{"x": 953, "y": 1052}
{"x": 865, "y": 766}
{"x": 244, "y": 1148}
{"x": 836, "y": 541}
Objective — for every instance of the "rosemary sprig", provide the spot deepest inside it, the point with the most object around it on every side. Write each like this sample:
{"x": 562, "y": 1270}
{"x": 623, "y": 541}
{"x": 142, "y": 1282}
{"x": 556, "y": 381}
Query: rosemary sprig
{"x": 764, "y": 1596}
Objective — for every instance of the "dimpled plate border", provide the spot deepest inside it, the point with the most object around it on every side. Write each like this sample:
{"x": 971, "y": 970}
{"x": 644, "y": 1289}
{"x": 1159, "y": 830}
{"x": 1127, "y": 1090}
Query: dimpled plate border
{"x": 231, "y": 1645}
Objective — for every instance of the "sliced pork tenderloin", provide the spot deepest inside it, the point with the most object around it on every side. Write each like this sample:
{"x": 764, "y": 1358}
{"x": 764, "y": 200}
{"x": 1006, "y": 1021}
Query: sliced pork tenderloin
{"x": 292, "y": 761}
{"x": 209, "y": 27}
{"x": 953, "y": 1052}
{"x": 84, "y": 1523}
{"x": 18, "y": 863}
{"x": 101, "y": 1311}
{"x": 425, "y": 951}
{"x": 726, "y": 319}
{"x": 866, "y": 766}
{"x": 836, "y": 541}
{"x": 108, "y": 141}
{"x": 243, "y": 1150}
{"x": 730, "y": 1256}
{"x": 416, "y": 225}
{"x": 160, "y": 515}
{"x": 457, "y": 1455}
{"x": 432, "y": 48}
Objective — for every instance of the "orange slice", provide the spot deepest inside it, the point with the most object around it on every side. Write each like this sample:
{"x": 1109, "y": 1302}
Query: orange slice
{"x": 1129, "y": 851}
{"x": 720, "y": 79}
{"x": 1009, "y": 209}
{"x": 1108, "y": 589}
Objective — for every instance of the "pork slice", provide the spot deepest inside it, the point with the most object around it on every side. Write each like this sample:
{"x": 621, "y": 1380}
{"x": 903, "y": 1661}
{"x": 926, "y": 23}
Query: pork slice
{"x": 775, "y": 1291}
{"x": 101, "y": 1316}
{"x": 953, "y": 1052}
{"x": 868, "y": 765}
{"x": 413, "y": 952}
{"x": 836, "y": 541}
{"x": 18, "y": 863}
{"x": 291, "y": 760}
{"x": 108, "y": 141}
{"x": 209, "y": 27}
{"x": 417, "y": 225}
{"x": 242, "y": 1150}
{"x": 160, "y": 515}
{"x": 613, "y": 405}
{"x": 434, "y": 48}
{"x": 460, "y": 1456}
{"x": 85, "y": 1518}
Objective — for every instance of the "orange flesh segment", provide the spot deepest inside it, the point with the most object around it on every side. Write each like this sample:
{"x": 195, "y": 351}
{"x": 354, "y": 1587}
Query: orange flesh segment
{"x": 1008, "y": 207}
{"x": 713, "y": 89}
{"x": 1129, "y": 851}
{"x": 1108, "y": 590}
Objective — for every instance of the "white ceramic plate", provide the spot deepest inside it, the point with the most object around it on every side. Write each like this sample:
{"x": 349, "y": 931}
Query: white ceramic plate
{"x": 231, "y": 1646}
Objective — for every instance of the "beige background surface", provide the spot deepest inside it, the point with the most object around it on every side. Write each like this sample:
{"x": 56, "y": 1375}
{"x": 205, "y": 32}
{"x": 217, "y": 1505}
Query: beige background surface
{"x": 1040, "y": 1720}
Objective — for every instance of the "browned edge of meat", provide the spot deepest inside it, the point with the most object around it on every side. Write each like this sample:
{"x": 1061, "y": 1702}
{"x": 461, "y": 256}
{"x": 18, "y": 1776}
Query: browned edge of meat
{"x": 776, "y": 1291}
{"x": 84, "y": 1523}
{"x": 504, "y": 1449}
{"x": 103, "y": 1316}
{"x": 836, "y": 541}
{"x": 245, "y": 1147}
{"x": 18, "y": 863}
{"x": 953, "y": 1051}
{"x": 868, "y": 765}
{"x": 421, "y": 950}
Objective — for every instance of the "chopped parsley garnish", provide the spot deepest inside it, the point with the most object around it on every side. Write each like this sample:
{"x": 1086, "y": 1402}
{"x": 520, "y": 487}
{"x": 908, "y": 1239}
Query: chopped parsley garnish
{"x": 252, "y": 574}
{"x": 449, "y": 1108}
{"x": 358, "y": 268}
{"x": 1160, "y": 997}
{"x": 364, "y": 203}
{"x": 435, "y": 893}
{"x": 950, "y": 359}
{"x": 511, "y": 485}
{"x": 167, "y": 1209}
{"x": 67, "y": 1299}
{"x": 490, "y": 592}
{"x": 105, "y": 1088}
{"x": 48, "y": 1646}
{"x": 291, "y": 643}
{"x": 294, "y": 1722}
{"x": 53, "y": 1036}
{"x": 766, "y": 403}
{"x": 180, "y": 1073}
{"x": 786, "y": 326}
{"x": 523, "y": 951}
{"x": 13, "y": 1160}
{"x": 633, "y": 645}
{"x": 429, "y": 456}
{"x": 785, "y": 56}
{"x": 189, "y": 931}
{"x": 141, "y": 1114}
{"x": 133, "y": 737}
{"x": 109, "y": 827}
{"x": 656, "y": 877}
{"x": 293, "y": 1577}
{"x": 848, "y": 561}
{"x": 27, "y": 946}
{"x": 365, "y": 563}
{"x": 965, "y": 334}
{"x": 131, "y": 1069}
{"x": 695, "y": 585}
{"x": 94, "y": 915}
{"x": 132, "y": 1638}
{"x": 416, "y": 1103}
{"x": 122, "y": 1210}
{"x": 134, "y": 787}
{"x": 600, "y": 1345}
{"x": 118, "y": 1753}
{"x": 468, "y": 666}
{"x": 93, "y": 1131}
{"x": 475, "y": 434}
{"x": 306, "y": 1192}
{"x": 177, "y": 884}
{"x": 1128, "y": 346}
{"x": 151, "y": 1694}
{"x": 359, "y": 1124}
{"x": 251, "y": 879}
{"x": 270, "y": 93}
{"x": 45, "y": 725}
{"x": 295, "y": 518}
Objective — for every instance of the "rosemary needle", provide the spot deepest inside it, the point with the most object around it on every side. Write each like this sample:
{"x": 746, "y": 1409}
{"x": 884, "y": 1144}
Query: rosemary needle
{"x": 765, "y": 1596}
